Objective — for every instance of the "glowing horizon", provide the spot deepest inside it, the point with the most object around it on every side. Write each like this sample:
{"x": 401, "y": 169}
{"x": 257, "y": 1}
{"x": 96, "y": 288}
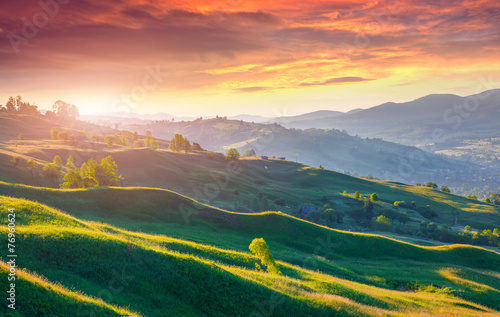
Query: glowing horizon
{"x": 245, "y": 57}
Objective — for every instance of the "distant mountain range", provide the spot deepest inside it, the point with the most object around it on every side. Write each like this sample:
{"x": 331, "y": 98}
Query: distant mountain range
{"x": 432, "y": 119}
{"x": 442, "y": 123}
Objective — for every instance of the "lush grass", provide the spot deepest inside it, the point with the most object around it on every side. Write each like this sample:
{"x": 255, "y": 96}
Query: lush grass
{"x": 36, "y": 296}
{"x": 359, "y": 275}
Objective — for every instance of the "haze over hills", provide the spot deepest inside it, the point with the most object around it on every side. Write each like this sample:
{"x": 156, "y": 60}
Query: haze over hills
{"x": 190, "y": 217}
{"x": 331, "y": 149}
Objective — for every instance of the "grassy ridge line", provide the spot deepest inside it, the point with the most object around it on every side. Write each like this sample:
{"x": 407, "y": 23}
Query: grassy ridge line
{"x": 307, "y": 292}
{"x": 187, "y": 279}
{"x": 163, "y": 206}
{"x": 37, "y": 296}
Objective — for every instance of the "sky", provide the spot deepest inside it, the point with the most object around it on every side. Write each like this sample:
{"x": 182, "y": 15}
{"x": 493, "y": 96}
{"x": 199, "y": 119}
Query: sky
{"x": 228, "y": 57}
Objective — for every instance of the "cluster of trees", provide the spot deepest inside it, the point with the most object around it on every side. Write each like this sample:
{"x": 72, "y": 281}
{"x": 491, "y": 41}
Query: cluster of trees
{"x": 31, "y": 165}
{"x": 91, "y": 174}
{"x": 444, "y": 188}
{"x": 373, "y": 197}
{"x": 426, "y": 211}
{"x": 445, "y": 234}
{"x": 249, "y": 152}
{"x": 63, "y": 112}
{"x": 180, "y": 143}
{"x": 17, "y": 105}
{"x": 493, "y": 199}
{"x": 326, "y": 216}
{"x": 55, "y": 134}
{"x": 150, "y": 141}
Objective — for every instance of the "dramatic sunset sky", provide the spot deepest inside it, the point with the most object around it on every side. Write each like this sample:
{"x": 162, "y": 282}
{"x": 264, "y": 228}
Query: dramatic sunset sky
{"x": 229, "y": 57}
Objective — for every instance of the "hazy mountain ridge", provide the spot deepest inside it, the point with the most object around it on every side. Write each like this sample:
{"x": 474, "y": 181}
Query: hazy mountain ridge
{"x": 331, "y": 149}
{"x": 413, "y": 122}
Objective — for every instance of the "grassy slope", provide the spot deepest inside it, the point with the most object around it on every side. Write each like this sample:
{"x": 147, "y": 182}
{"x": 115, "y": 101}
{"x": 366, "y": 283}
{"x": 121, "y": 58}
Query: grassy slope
{"x": 165, "y": 275}
{"x": 242, "y": 186}
{"x": 329, "y": 148}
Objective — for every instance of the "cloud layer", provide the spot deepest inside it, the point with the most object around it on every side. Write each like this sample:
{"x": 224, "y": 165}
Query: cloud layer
{"x": 227, "y": 47}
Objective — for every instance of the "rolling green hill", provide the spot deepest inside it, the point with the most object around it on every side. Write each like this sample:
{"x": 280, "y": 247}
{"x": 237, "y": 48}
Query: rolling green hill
{"x": 100, "y": 267}
{"x": 330, "y": 148}
{"x": 174, "y": 241}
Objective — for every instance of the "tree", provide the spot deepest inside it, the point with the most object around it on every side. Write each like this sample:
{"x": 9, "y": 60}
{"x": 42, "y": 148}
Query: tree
{"x": 138, "y": 143}
{"x": 57, "y": 161}
{"x": 11, "y": 105}
{"x": 179, "y": 143}
{"x": 153, "y": 144}
{"x": 468, "y": 229}
{"x": 431, "y": 185}
{"x": 368, "y": 211}
{"x": 65, "y": 111}
{"x": 249, "y": 152}
{"x": 20, "y": 136}
{"x": 62, "y": 136}
{"x": 432, "y": 227}
{"x": 53, "y": 133}
{"x": 51, "y": 171}
{"x": 445, "y": 189}
{"x": 71, "y": 138}
{"x": 70, "y": 163}
{"x": 232, "y": 154}
{"x": 261, "y": 250}
{"x": 369, "y": 176}
{"x": 135, "y": 135}
{"x": 72, "y": 179}
{"x": 488, "y": 200}
{"x": 31, "y": 165}
{"x": 15, "y": 161}
{"x": 96, "y": 137}
{"x": 383, "y": 223}
{"x": 105, "y": 173}
{"x": 109, "y": 140}
{"x": 197, "y": 147}
{"x": 374, "y": 197}
{"x": 403, "y": 218}
{"x": 357, "y": 195}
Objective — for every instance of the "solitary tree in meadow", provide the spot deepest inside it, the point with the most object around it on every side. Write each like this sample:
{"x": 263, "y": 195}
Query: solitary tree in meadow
{"x": 15, "y": 161}
{"x": 232, "y": 154}
{"x": 31, "y": 165}
{"x": 261, "y": 250}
